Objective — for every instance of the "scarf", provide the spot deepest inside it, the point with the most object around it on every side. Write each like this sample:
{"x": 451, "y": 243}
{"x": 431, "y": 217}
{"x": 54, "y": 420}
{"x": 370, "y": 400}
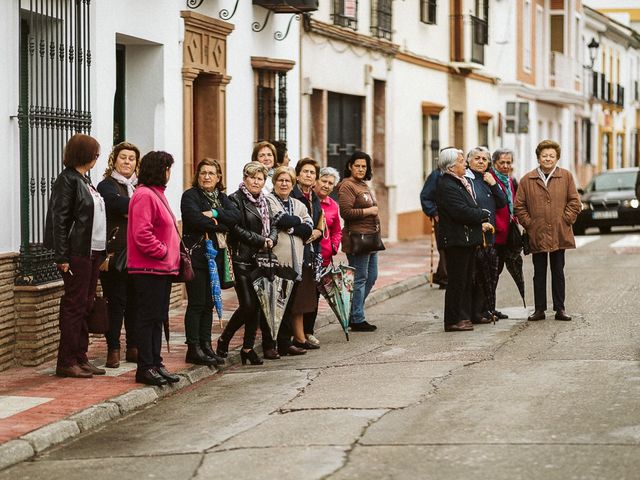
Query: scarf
{"x": 261, "y": 204}
{"x": 466, "y": 184}
{"x": 212, "y": 198}
{"x": 130, "y": 182}
{"x": 546, "y": 177}
{"x": 506, "y": 183}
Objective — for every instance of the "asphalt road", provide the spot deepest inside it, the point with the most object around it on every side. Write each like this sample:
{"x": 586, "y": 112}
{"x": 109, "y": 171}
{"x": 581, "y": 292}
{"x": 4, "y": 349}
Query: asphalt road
{"x": 515, "y": 400}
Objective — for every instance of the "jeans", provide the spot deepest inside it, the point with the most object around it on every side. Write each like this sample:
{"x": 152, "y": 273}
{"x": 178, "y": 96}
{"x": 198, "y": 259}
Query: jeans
{"x": 366, "y": 275}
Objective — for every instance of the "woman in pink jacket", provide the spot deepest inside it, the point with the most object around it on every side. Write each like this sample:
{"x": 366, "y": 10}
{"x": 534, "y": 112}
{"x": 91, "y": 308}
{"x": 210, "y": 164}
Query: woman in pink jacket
{"x": 153, "y": 259}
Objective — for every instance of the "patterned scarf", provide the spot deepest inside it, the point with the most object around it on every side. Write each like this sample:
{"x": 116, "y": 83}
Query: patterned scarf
{"x": 466, "y": 184}
{"x": 504, "y": 180}
{"x": 263, "y": 207}
{"x": 212, "y": 198}
{"x": 130, "y": 182}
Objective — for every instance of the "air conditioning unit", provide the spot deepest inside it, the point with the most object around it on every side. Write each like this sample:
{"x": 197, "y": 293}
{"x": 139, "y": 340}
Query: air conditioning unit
{"x": 288, "y": 6}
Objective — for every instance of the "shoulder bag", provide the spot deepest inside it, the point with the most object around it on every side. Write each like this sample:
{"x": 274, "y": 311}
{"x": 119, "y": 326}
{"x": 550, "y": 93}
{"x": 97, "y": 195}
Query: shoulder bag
{"x": 98, "y": 319}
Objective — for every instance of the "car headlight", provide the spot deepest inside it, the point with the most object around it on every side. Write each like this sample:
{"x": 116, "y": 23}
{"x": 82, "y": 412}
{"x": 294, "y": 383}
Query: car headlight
{"x": 634, "y": 203}
{"x": 585, "y": 206}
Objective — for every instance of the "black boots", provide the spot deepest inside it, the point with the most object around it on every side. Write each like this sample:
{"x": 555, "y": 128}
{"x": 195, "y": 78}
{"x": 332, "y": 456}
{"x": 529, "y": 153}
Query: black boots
{"x": 208, "y": 351}
{"x": 197, "y": 356}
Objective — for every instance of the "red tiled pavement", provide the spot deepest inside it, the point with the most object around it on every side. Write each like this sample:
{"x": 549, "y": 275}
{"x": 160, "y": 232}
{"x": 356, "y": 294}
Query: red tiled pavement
{"x": 400, "y": 261}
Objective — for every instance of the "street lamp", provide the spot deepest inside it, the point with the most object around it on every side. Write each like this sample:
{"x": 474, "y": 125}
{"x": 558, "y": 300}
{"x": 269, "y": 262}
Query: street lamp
{"x": 593, "y": 50}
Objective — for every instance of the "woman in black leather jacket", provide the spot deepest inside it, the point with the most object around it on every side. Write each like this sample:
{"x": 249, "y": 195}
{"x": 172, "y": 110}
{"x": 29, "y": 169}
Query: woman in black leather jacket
{"x": 76, "y": 230}
{"x": 254, "y": 232}
{"x": 206, "y": 210}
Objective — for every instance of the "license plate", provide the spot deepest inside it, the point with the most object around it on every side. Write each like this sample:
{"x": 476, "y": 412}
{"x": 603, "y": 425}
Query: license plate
{"x": 606, "y": 214}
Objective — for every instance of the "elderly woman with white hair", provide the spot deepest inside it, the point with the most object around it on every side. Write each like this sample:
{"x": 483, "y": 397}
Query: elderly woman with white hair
{"x": 462, "y": 222}
{"x": 489, "y": 196}
{"x": 331, "y": 235}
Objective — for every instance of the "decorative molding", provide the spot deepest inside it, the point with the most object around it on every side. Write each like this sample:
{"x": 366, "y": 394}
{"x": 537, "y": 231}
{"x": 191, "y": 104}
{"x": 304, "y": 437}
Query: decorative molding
{"x": 484, "y": 117}
{"x": 349, "y": 36}
{"x": 430, "y": 108}
{"x": 273, "y": 64}
{"x": 205, "y": 39}
{"x": 443, "y": 67}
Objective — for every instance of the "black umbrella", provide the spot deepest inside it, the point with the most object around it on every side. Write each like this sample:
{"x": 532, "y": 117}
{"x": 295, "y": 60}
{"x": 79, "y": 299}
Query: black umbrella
{"x": 513, "y": 264}
{"x": 487, "y": 264}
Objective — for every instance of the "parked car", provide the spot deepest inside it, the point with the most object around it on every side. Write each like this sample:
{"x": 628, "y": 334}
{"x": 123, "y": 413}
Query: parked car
{"x": 610, "y": 200}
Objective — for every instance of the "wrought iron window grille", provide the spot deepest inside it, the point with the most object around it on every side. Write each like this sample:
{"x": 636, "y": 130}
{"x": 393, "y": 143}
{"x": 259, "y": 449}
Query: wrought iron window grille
{"x": 271, "y": 100}
{"x": 345, "y": 13}
{"x": 54, "y": 84}
{"x": 428, "y": 11}
{"x": 381, "y": 24}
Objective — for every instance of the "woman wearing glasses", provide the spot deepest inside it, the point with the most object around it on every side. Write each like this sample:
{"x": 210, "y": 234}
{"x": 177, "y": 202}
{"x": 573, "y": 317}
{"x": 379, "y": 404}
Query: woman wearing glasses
{"x": 206, "y": 210}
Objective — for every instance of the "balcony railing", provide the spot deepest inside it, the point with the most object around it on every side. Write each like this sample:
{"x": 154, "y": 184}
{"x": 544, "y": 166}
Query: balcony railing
{"x": 601, "y": 89}
{"x": 381, "y": 25}
{"x": 469, "y": 35}
{"x": 562, "y": 70}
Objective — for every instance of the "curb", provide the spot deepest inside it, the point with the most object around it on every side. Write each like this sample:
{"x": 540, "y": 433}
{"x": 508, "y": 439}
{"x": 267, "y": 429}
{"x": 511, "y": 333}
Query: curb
{"x": 32, "y": 443}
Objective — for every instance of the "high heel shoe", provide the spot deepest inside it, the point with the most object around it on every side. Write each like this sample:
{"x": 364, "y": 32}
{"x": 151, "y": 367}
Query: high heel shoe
{"x": 222, "y": 350}
{"x": 252, "y": 356}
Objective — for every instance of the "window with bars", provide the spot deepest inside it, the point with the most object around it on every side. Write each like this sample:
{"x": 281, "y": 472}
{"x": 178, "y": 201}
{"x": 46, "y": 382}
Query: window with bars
{"x": 428, "y": 10}
{"x": 381, "y": 19}
{"x": 345, "y": 13}
{"x": 271, "y": 105}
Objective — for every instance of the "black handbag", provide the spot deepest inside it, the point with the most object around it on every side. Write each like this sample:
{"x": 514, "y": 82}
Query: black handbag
{"x": 186, "y": 272}
{"x": 98, "y": 319}
{"x": 119, "y": 261}
{"x": 363, "y": 243}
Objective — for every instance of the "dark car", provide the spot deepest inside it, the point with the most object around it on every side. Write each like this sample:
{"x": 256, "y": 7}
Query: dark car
{"x": 609, "y": 200}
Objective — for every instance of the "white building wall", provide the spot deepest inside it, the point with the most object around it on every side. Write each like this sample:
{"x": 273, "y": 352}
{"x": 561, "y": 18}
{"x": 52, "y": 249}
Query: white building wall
{"x": 9, "y": 132}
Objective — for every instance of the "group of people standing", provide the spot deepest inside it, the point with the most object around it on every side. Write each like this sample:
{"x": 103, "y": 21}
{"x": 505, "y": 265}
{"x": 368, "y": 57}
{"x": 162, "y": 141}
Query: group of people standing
{"x": 477, "y": 209}
{"x": 125, "y": 233}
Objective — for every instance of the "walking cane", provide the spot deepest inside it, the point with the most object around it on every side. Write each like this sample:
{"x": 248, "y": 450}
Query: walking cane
{"x": 433, "y": 240}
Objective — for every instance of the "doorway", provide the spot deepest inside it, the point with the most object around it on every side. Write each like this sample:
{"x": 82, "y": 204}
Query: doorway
{"x": 344, "y": 128}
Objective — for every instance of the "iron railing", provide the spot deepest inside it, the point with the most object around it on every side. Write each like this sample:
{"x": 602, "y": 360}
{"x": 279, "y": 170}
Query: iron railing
{"x": 271, "y": 93}
{"x": 428, "y": 10}
{"x": 345, "y": 13}
{"x": 55, "y": 66}
{"x": 381, "y": 24}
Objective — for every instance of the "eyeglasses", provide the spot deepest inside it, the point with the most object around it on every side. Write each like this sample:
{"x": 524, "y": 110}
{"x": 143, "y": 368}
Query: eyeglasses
{"x": 283, "y": 180}
{"x": 208, "y": 174}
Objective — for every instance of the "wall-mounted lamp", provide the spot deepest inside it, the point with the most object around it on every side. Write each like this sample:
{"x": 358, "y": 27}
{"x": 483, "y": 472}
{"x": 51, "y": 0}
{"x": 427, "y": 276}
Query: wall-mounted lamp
{"x": 593, "y": 51}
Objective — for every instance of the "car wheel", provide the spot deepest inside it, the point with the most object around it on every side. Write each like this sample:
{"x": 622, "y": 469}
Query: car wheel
{"x": 604, "y": 229}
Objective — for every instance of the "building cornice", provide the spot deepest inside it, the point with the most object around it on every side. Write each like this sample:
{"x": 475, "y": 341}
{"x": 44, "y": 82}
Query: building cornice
{"x": 349, "y": 36}
{"x": 439, "y": 66}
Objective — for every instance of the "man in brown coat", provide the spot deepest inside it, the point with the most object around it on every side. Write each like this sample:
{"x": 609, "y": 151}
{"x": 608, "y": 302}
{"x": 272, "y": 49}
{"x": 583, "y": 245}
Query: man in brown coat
{"x": 547, "y": 204}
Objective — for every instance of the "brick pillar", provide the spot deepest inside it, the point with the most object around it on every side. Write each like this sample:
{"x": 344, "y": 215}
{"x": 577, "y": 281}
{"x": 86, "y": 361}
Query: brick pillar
{"x": 7, "y": 313}
{"x": 37, "y": 312}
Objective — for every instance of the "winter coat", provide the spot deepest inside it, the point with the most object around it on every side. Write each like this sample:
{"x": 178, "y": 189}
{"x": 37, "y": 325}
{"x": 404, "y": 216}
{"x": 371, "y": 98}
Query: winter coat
{"x": 153, "y": 244}
{"x": 311, "y": 250}
{"x": 290, "y": 246}
{"x": 428, "y": 194}
{"x": 488, "y": 197}
{"x": 69, "y": 223}
{"x": 246, "y": 238}
{"x": 195, "y": 224}
{"x": 547, "y": 212}
{"x": 503, "y": 215}
{"x": 460, "y": 217}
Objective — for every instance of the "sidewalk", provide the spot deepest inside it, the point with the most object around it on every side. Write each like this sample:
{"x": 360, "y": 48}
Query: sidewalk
{"x": 38, "y": 409}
